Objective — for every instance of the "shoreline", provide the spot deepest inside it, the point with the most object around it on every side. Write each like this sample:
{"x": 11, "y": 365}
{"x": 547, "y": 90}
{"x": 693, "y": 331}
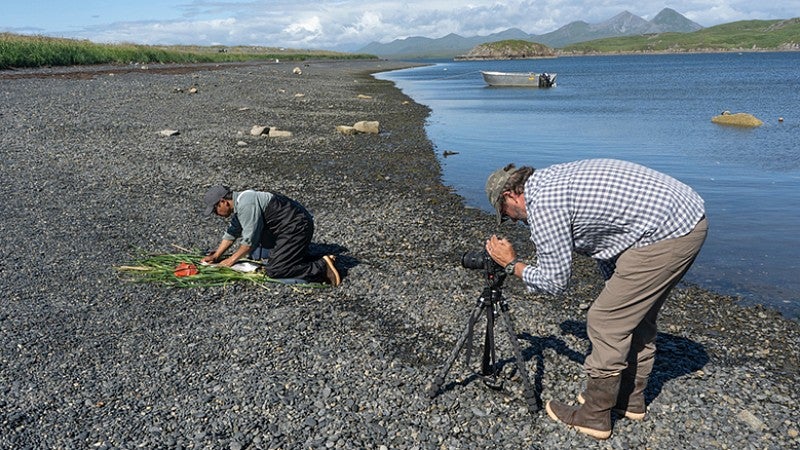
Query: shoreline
{"x": 560, "y": 54}
{"x": 89, "y": 359}
{"x": 732, "y": 274}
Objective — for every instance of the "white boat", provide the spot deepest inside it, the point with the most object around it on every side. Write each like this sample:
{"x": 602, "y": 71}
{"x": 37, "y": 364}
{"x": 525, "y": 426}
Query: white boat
{"x": 528, "y": 79}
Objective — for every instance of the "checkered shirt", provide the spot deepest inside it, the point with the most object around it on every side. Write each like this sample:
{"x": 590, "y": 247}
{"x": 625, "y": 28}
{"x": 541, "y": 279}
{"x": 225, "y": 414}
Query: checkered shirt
{"x": 600, "y": 208}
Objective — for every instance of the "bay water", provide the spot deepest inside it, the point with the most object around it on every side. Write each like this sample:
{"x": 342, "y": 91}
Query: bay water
{"x": 655, "y": 110}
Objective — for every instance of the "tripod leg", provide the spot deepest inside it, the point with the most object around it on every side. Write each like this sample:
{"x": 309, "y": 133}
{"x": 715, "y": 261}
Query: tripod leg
{"x": 489, "y": 355}
{"x": 530, "y": 392}
{"x": 436, "y": 385}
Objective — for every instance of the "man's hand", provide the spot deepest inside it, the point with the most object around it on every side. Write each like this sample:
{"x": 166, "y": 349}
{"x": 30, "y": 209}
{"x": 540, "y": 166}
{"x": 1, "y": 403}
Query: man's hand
{"x": 210, "y": 259}
{"x": 227, "y": 262}
{"x": 240, "y": 253}
{"x": 217, "y": 254}
{"x": 501, "y": 250}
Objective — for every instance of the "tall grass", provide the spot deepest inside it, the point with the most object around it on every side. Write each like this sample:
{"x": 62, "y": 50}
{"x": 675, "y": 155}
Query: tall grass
{"x": 37, "y": 51}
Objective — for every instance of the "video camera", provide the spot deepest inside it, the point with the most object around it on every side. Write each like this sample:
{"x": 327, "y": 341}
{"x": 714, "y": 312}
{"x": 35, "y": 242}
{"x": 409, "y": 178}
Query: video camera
{"x": 480, "y": 260}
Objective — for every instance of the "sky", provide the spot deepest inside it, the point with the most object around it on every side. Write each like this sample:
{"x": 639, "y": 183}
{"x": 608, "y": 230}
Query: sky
{"x": 342, "y": 25}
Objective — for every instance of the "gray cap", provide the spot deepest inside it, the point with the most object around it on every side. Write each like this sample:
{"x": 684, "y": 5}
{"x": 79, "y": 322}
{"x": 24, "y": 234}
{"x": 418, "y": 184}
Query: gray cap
{"x": 494, "y": 187}
{"x": 213, "y": 196}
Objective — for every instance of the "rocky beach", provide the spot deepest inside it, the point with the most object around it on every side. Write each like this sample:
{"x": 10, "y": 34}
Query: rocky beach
{"x": 100, "y": 164}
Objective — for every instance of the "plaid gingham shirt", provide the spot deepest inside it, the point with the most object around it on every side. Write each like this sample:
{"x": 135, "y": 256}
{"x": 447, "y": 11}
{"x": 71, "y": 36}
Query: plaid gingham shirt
{"x": 600, "y": 208}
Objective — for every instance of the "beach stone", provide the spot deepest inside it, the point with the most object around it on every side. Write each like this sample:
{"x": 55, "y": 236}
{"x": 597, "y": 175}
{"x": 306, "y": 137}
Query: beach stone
{"x": 367, "y": 126}
{"x": 276, "y": 133}
{"x": 346, "y": 130}
{"x": 751, "y": 420}
{"x": 738, "y": 119}
{"x": 258, "y": 130}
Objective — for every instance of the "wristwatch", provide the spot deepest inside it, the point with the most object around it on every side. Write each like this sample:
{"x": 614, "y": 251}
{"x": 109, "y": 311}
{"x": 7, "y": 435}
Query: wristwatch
{"x": 510, "y": 266}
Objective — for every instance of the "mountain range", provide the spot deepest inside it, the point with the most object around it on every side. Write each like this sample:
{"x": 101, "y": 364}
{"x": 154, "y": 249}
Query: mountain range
{"x": 623, "y": 24}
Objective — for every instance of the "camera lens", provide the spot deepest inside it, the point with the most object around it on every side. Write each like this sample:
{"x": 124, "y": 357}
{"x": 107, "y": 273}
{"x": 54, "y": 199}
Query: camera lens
{"x": 474, "y": 260}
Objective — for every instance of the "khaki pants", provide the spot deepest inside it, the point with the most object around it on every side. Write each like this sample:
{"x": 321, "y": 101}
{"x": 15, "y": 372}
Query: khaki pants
{"x": 621, "y": 323}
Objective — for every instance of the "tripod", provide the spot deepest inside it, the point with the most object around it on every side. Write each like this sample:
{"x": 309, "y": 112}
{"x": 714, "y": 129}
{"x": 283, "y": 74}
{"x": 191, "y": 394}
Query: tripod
{"x": 492, "y": 303}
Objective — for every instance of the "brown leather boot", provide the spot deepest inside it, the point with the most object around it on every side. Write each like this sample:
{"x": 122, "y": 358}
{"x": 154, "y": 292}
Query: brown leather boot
{"x": 594, "y": 416}
{"x": 630, "y": 400}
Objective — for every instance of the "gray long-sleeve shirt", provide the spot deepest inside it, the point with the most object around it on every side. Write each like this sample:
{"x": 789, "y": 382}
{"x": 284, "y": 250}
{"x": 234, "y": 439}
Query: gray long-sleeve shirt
{"x": 260, "y": 217}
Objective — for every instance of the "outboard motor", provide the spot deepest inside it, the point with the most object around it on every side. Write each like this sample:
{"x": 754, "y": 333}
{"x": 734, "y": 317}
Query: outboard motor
{"x": 545, "y": 81}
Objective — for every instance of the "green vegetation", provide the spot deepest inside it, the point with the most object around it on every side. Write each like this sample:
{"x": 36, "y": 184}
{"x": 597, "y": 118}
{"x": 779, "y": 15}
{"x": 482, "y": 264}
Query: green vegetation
{"x": 508, "y": 49}
{"x": 744, "y": 35}
{"x": 518, "y": 47}
{"x": 36, "y": 51}
{"x": 171, "y": 270}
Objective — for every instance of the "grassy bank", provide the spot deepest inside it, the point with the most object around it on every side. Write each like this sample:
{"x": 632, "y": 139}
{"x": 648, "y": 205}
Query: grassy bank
{"x": 37, "y": 51}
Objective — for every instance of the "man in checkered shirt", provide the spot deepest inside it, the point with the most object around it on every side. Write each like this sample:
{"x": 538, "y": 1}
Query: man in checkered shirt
{"x": 643, "y": 228}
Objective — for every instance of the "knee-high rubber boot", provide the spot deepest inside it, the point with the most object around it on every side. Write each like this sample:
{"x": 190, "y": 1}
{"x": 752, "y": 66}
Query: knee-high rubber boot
{"x": 593, "y": 417}
{"x": 630, "y": 400}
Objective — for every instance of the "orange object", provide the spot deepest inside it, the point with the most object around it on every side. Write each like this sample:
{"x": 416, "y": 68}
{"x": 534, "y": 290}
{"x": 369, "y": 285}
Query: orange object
{"x": 185, "y": 269}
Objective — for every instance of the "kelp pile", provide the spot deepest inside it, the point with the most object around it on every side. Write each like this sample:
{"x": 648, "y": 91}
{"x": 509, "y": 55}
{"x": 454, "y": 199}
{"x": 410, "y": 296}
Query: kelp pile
{"x": 184, "y": 270}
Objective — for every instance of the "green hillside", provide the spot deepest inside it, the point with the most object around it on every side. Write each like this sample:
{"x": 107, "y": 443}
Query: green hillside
{"x": 508, "y": 49}
{"x": 771, "y": 35}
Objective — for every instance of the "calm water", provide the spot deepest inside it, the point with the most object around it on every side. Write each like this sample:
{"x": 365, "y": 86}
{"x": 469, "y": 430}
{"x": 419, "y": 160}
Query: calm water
{"x": 655, "y": 110}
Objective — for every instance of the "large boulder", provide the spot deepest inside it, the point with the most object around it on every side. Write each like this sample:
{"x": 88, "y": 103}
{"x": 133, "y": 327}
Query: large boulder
{"x": 738, "y": 119}
{"x": 364, "y": 126}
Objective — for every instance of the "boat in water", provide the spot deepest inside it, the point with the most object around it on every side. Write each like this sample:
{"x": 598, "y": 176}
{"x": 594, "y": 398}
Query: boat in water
{"x": 527, "y": 79}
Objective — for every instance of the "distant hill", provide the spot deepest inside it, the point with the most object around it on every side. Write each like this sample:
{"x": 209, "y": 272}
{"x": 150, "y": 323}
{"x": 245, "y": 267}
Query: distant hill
{"x": 745, "y": 35}
{"x": 623, "y": 24}
{"x": 671, "y": 20}
{"x": 445, "y": 47}
{"x": 509, "y": 49}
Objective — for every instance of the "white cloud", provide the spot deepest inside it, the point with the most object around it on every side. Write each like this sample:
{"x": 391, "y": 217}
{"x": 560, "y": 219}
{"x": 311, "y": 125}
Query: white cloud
{"x": 349, "y": 25}
{"x": 311, "y": 25}
{"x": 369, "y": 21}
{"x": 369, "y": 24}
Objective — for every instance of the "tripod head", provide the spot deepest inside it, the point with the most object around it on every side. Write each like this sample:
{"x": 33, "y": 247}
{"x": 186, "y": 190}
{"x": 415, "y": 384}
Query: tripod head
{"x": 495, "y": 279}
